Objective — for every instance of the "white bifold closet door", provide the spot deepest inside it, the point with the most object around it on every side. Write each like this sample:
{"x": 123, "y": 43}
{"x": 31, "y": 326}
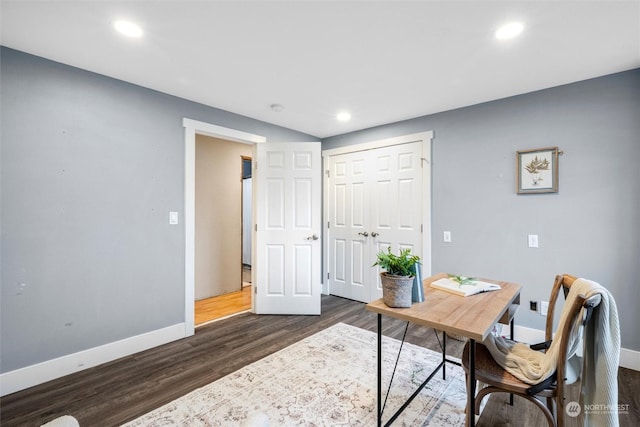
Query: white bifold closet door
{"x": 375, "y": 201}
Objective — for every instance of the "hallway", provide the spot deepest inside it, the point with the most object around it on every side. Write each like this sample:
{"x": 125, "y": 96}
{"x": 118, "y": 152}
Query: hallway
{"x": 214, "y": 308}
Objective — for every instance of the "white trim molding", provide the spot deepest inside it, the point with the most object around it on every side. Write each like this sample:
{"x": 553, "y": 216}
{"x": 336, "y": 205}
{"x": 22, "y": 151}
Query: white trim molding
{"x": 39, "y": 373}
{"x": 191, "y": 128}
{"x": 216, "y": 131}
{"x": 396, "y": 140}
{"x": 630, "y": 359}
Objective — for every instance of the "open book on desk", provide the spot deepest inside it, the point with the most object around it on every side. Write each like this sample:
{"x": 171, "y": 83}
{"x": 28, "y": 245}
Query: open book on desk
{"x": 464, "y": 286}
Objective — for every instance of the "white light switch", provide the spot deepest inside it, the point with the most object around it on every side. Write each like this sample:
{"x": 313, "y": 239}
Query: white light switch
{"x": 173, "y": 218}
{"x": 533, "y": 240}
{"x": 544, "y": 308}
{"x": 446, "y": 237}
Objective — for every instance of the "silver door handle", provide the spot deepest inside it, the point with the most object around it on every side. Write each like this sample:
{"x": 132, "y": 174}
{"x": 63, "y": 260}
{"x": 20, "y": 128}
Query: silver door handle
{"x": 365, "y": 234}
{"x": 374, "y": 234}
{"x": 314, "y": 237}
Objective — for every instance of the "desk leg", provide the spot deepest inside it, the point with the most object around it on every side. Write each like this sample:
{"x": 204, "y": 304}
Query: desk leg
{"x": 444, "y": 355}
{"x": 511, "y": 336}
{"x": 379, "y": 369}
{"x": 511, "y": 327}
{"x": 471, "y": 397}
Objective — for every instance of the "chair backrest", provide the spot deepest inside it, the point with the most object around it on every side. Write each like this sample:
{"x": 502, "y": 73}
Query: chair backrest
{"x": 581, "y": 302}
{"x": 564, "y": 282}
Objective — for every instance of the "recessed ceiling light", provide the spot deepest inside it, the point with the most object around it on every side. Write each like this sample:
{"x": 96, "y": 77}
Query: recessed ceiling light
{"x": 343, "y": 116}
{"x": 276, "y": 108}
{"x": 128, "y": 28}
{"x": 509, "y": 30}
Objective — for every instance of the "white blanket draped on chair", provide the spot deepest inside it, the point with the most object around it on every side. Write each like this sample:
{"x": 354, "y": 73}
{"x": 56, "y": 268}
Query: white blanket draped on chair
{"x": 601, "y": 357}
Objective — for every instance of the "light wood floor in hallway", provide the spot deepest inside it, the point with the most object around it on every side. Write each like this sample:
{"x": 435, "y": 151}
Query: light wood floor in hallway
{"x": 221, "y": 306}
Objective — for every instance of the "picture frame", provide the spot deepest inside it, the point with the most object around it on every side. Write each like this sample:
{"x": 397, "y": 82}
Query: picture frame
{"x": 537, "y": 170}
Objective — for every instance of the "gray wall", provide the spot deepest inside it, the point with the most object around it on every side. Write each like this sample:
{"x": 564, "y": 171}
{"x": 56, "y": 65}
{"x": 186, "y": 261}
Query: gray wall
{"x": 90, "y": 168}
{"x": 591, "y": 228}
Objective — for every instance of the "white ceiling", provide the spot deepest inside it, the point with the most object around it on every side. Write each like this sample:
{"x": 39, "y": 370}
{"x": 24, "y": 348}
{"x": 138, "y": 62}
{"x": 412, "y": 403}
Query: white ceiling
{"x": 384, "y": 61}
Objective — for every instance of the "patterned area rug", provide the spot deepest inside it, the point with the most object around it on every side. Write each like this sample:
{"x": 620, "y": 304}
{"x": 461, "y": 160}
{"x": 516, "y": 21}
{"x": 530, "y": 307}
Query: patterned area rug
{"x": 327, "y": 379}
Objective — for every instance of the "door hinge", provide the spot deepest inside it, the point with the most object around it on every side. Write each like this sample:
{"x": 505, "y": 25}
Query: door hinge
{"x": 255, "y": 290}
{"x": 256, "y": 227}
{"x": 328, "y": 276}
{"x": 421, "y": 228}
{"x": 328, "y": 173}
{"x": 328, "y": 224}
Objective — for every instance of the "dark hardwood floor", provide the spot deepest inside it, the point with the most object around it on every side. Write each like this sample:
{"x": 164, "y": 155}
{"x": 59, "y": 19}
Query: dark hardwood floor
{"x": 119, "y": 391}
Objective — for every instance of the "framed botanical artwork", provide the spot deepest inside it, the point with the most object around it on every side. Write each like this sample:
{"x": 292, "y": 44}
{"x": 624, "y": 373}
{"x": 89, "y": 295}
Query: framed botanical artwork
{"x": 537, "y": 170}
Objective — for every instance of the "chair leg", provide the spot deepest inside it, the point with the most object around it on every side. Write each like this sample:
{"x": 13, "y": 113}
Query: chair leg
{"x": 551, "y": 404}
{"x": 466, "y": 384}
{"x": 491, "y": 389}
{"x": 559, "y": 406}
{"x": 549, "y": 411}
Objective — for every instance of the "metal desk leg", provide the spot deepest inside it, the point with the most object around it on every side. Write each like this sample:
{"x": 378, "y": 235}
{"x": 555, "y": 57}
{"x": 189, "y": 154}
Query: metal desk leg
{"x": 379, "y": 369}
{"x": 511, "y": 333}
{"x": 471, "y": 398}
{"x": 444, "y": 355}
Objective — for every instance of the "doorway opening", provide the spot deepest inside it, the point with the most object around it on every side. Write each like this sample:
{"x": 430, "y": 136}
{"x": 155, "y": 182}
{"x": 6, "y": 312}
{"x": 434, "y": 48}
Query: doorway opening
{"x": 191, "y": 129}
{"x": 223, "y": 219}
{"x": 247, "y": 220}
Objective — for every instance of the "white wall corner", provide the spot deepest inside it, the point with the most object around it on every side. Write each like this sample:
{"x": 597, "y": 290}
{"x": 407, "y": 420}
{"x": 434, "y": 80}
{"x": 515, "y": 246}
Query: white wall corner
{"x": 29, "y": 376}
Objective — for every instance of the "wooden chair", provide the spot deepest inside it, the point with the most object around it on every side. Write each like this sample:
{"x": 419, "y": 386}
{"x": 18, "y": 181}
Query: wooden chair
{"x": 549, "y": 395}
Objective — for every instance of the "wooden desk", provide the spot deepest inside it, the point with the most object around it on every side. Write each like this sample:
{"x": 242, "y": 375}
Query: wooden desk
{"x": 472, "y": 317}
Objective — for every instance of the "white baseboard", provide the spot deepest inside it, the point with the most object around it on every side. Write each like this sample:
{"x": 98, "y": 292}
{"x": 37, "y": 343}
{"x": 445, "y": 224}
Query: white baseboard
{"x": 629, "y": 359}
{"x": 325, "y": 289}
{"x": 39, "y": 373}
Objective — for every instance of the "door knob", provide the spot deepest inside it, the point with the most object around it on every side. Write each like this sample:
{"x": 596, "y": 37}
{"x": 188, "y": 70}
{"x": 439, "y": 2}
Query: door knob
{"x": 314, "y": 237}
{"x": 365, "y": 234}
{"x": 374, "y": 234}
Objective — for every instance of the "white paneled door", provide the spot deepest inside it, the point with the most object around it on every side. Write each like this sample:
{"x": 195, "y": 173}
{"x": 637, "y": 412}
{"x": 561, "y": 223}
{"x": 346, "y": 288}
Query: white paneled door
{"x": 288, "y": 245}
{"x": 375, "y": 202}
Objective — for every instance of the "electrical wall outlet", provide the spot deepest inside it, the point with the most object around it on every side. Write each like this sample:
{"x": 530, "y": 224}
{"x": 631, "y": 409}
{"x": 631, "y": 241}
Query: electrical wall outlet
{"x": 533, "y": 306}
{"x": 446, "y": 236}
{"x": 532, "y": 240}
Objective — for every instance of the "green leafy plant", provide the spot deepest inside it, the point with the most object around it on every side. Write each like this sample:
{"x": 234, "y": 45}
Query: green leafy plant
{"x": 462, "y": 280}
{"x": 397, "y": 265}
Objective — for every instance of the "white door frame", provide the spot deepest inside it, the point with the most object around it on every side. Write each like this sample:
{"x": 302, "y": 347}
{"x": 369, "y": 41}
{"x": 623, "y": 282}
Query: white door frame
{"x": 191, "y": 128}
{"x": 426, "y": 138}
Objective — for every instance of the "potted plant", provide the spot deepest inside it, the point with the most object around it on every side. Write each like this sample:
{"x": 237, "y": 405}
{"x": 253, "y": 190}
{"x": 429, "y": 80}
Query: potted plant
{"x": 397, "y": 279}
